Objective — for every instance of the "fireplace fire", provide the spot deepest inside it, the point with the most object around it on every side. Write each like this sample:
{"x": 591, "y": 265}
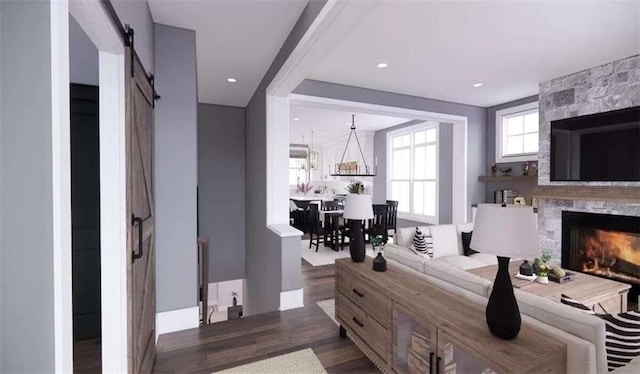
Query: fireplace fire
{"x": 602, "y": 245}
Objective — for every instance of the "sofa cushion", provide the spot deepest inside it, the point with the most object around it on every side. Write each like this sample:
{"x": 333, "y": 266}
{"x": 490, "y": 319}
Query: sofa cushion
{"x": 404, "y": 235}
{"x": 405, "y": 256}
{"x": 445, "y": 240}
{"x": 567, "y": 319}
{"x": 422, "y": 243}
{"x": 458, "y": 277}
{"x": 485, "y": 258}
{"x": 461, "y": 262}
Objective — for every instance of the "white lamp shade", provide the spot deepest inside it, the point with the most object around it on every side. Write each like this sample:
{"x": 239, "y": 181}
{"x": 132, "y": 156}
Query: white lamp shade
{"x": 510, "y": 231}
{"x": 358, "y": 207}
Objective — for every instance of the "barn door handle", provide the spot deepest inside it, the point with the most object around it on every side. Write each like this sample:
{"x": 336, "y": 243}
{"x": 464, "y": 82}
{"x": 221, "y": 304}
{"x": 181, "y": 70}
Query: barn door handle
{"x": 139, "y": 221}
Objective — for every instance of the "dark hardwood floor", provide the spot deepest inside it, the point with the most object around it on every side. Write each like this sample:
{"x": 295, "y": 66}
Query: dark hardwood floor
{"x": 227, "y": 344}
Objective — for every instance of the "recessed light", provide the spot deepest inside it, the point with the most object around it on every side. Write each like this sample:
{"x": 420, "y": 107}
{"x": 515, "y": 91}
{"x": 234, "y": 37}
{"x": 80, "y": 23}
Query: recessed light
{"x": 296, "y": 119}
{"x": 382, "y": 65}
{"x": 232, "y": 80}
{"x": 477, "y": 85}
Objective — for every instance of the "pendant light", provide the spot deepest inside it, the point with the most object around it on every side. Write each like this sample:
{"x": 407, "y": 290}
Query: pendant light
{"x": 313, "y": 156}
{"x": 353, "y": 172}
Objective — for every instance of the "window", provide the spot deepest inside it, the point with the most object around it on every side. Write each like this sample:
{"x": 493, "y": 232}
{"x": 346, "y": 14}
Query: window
{"x": 297, "y": 171}
{"x": 412, "y": 171}
{"x": 517, "y": 133}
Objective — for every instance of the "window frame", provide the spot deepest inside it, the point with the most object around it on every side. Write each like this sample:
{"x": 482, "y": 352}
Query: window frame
{"x": 499, "y": 129}
{"x": 305, "y": 173}
{"x": 412, "y": 130}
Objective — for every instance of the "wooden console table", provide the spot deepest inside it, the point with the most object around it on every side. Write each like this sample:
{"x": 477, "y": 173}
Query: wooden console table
{"x": 600, "y": 294}
{"x": 406, "y": 325}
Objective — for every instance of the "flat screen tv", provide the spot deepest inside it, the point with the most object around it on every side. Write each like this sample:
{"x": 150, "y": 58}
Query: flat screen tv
{"x": 597, "y": 147}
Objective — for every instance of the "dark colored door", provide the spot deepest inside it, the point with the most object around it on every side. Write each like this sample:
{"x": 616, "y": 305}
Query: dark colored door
{"x": 85, "y": 211}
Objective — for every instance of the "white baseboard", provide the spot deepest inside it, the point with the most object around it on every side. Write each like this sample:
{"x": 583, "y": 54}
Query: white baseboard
{"x": 177, "y": 320}
{"x": 291, "y": 299}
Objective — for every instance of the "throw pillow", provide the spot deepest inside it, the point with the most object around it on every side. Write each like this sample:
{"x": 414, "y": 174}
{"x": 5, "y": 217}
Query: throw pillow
{"x": 622, "y": 333}
{"x": 423, "y": 243}
{"x": 466, "y": 243}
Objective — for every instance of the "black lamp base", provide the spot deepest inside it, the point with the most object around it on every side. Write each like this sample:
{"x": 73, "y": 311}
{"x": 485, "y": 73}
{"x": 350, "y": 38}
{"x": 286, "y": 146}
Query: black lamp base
{"x": 356, "y": 241}
{"x": 503, "y": 314}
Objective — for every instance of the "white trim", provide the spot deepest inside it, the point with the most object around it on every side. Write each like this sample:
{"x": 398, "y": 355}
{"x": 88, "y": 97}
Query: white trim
{"x": 434, "y": 220}
{"x": 499, "y": 128}
{"x": 177, "y": 320}
{"x": 459, "y": 205}
{"x": 113, "y": 211}
{"x": 291, "y": 299}
{"x": 61, "y": 187}
{"x": 277, "y": 156}
{"x": 284, "y": 230}
{"x": 96, "y": 23}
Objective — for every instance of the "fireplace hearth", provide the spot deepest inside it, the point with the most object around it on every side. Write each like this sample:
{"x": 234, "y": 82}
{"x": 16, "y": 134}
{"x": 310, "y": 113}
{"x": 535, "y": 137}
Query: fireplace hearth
{"x": 603, "y": 245}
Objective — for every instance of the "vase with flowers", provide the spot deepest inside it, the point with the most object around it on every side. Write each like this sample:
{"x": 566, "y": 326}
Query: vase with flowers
{"x": 379, "y": 262}
{"x": 304, "y": 188}
{"x": 356, "y": 187}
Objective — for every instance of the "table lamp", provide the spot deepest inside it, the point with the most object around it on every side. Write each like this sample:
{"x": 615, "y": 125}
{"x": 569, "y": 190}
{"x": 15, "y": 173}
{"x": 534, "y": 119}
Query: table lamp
{"x": 505, "y": 232}
{"x": 357, "y": 207}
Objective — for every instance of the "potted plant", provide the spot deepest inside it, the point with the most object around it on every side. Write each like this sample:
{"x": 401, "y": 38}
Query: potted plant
{"x": 356, "y": 187}
{"x": 543, "y": 273}
{"x": 379, "y": 262}
{"x": 304, "y": 188}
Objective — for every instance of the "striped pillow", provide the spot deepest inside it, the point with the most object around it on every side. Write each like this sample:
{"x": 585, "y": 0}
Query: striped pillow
{"x": 622, "y": 333}
{"x": 423, "y": 243}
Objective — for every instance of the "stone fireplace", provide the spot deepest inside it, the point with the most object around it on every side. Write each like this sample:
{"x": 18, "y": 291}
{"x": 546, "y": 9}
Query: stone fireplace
{"x": 607, "y": 87}
{"x": 604, "y": 245}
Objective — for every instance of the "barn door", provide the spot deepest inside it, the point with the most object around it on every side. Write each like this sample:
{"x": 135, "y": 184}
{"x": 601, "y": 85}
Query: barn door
{"x": 140, "y": 216}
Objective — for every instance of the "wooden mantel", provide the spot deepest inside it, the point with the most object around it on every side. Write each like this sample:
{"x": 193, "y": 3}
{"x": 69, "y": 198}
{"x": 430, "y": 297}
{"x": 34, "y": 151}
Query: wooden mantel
{"x": 589, "y": 193}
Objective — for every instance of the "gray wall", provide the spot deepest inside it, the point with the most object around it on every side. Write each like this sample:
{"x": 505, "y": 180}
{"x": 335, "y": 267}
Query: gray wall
{"x": 264, "y": 254}
{"x": 221, "y": 189}
{"x": 476, "y": 122}
{"x": 445, "y": 178}
{"x": 137, "y": 14}
{"x": 26, "y": 234}
{"x": 525, "y": 188}
{"x": 176, "y": 168}
{"x": 291, "y": 264}
{"x": 83, "y": 56}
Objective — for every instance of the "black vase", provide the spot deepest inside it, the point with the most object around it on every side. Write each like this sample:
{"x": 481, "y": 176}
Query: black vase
{"x": 356, "y": 241}
{"x": 503, "y": 315}
{"x": 379, "y": 263}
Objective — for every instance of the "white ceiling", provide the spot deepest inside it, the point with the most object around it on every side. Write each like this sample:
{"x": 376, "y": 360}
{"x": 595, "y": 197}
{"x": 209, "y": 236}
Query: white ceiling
{"x": 439, "y": 49}
{"x": 237, "y": 39}
{"x": 329, "y": 125}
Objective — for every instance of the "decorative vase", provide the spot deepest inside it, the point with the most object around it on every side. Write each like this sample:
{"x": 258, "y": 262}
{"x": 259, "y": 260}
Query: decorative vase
{"x": 379, "y": 263}
{"x": 503, "y": 314}
{"x": 526, "y": 268}
{"x": 542, "y": 280}
{"x": 356, "y": 243}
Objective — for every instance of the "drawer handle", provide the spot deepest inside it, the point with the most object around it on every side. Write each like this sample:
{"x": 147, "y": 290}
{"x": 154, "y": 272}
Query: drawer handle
{"x": 438, "y": 365}
{"x": 431, "y": 362}
{"x": 355, "y": 291}
{"x": 358, "y": 322}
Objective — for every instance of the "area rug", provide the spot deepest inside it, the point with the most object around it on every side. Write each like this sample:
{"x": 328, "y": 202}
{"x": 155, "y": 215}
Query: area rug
{"x": 329, "y": 307}
{"x": 303, "y": 361}
{"x": 325, "y": 255}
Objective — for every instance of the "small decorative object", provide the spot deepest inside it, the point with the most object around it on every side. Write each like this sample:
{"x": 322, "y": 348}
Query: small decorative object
{"x": 235, "y": 311}
{"x": 379, "y": 262}
{"x": 534, "y": 168}
{"x": 494, "y": 169}
{"x": 357, "y": 207}
{"x": 505, "y": 171}
{"x": 526, "y": 268}
{"x": 543, "y": 271}
{"x": 304, "y": 188}
{"x": 559, "y": 275}
{"x": 519, "y": 200}
{"x": 525, "y": 168}
{"x": 356, "y": 187}
{"x": 518, "y": 238}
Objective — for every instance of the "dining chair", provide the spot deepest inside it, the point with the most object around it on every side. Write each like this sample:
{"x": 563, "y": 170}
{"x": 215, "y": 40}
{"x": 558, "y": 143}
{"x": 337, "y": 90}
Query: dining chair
{"x": 392, "y": 216}
{"x": 331, "y": 205}
{"x": 316, "y": 228}
{"x": 378, "y": 225}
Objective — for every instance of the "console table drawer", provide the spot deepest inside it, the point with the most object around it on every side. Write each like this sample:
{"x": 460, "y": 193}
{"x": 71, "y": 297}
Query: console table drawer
{"x": 370, "y": 300}
{"x": 368, "y": 329}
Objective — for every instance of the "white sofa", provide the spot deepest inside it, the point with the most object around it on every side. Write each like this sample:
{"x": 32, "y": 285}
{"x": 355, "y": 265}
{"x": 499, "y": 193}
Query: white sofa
{"x": 584, "y": 334}
{"x": 447, "y": 245}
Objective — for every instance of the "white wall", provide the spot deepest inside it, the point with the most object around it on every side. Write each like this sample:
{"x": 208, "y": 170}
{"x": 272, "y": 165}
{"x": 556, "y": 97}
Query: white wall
{"x": 176, "y": 168}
